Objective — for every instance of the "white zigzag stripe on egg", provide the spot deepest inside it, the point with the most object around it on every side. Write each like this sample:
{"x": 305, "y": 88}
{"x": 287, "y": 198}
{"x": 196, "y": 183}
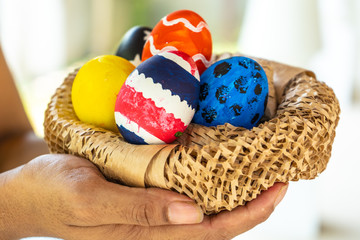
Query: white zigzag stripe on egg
{"x": 187, "y": 24}
{"x": 182, "y": 63}
{"x": 202, "y": 58}
{"x": 162, "y": 98}
{"x": 126, "y": 123}
{"x": 155, "y": 51}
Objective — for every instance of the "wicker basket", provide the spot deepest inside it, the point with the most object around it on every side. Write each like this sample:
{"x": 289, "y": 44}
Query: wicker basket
{"x": 219, "y": 167}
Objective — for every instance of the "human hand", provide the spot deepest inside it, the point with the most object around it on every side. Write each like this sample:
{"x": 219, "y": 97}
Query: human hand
{"x": 67, "y": 197}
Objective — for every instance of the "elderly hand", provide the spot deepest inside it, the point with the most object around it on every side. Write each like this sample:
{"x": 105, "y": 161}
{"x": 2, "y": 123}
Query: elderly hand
{"x": 67, "y": 197}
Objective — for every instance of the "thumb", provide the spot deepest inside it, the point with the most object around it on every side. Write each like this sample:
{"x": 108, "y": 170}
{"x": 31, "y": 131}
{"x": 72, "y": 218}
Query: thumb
{"x": 117, "y": 204}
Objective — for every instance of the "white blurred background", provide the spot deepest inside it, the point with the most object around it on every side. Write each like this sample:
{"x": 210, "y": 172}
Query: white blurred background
{"x": 43, "y": 40}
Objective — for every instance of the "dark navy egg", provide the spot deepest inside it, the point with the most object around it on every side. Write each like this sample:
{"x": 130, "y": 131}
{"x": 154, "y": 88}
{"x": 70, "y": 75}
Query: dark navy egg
{"x": 132, "y": 44}
{"x": 233, "y": 90}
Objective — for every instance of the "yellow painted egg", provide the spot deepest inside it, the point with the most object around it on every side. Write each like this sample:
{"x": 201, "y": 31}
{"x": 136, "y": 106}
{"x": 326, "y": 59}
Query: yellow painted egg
{"x": 96, "y": 87}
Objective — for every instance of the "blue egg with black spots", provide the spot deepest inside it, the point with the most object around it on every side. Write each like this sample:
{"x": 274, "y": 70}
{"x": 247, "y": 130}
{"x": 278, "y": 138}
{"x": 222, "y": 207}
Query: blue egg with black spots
{"x": 233, "y": 90}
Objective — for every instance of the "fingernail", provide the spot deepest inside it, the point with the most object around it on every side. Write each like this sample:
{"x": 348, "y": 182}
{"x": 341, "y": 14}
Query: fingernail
{"x": 280, "y": 195}
{"x": 184, "y": 213}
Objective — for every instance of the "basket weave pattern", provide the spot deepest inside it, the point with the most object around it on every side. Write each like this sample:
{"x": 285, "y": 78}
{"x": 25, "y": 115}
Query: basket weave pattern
{"x": 219, "y": 167}
{"x": 235, "y": 164}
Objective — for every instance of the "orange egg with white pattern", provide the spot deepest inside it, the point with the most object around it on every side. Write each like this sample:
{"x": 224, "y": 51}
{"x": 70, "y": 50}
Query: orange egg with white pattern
{"x": 185, "y": 31}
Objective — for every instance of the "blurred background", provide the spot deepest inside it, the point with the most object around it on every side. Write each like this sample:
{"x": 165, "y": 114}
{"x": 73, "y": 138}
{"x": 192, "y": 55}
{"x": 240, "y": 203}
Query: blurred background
{"x": 44, "y": 40}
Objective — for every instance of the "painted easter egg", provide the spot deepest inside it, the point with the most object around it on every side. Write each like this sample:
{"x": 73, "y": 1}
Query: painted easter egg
{"x": 132, "y": 44}
{"x": 185, "y": 31}
{"x": 95, "y": 88}
{"x": 234, "y": 91}
{"x": 159, "y": 99}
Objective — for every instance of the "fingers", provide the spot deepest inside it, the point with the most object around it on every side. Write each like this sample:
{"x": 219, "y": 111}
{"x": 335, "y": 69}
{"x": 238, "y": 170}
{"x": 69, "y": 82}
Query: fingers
{"x": 253, "y": 213}
{"x": 116, "y": 204}
{"x": 113, "y": 207}
{"x": 135, "y": 232}
{"x": 261, "y": 208}
{"x": 89, "y": 200}
{"x": 224, "y": 225}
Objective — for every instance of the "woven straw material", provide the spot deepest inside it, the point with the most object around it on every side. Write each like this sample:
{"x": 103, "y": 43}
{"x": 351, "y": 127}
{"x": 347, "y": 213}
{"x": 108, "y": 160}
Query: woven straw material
{"x": 219, "y": 167}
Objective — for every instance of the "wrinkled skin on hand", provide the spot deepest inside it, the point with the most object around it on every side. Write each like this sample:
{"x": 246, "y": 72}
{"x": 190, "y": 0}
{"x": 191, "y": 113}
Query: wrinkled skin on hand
{"x": 67, "y": 197}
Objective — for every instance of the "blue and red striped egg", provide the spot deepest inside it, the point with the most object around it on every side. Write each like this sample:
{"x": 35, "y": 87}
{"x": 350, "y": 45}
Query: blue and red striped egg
{"x": 159, "y": 99}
